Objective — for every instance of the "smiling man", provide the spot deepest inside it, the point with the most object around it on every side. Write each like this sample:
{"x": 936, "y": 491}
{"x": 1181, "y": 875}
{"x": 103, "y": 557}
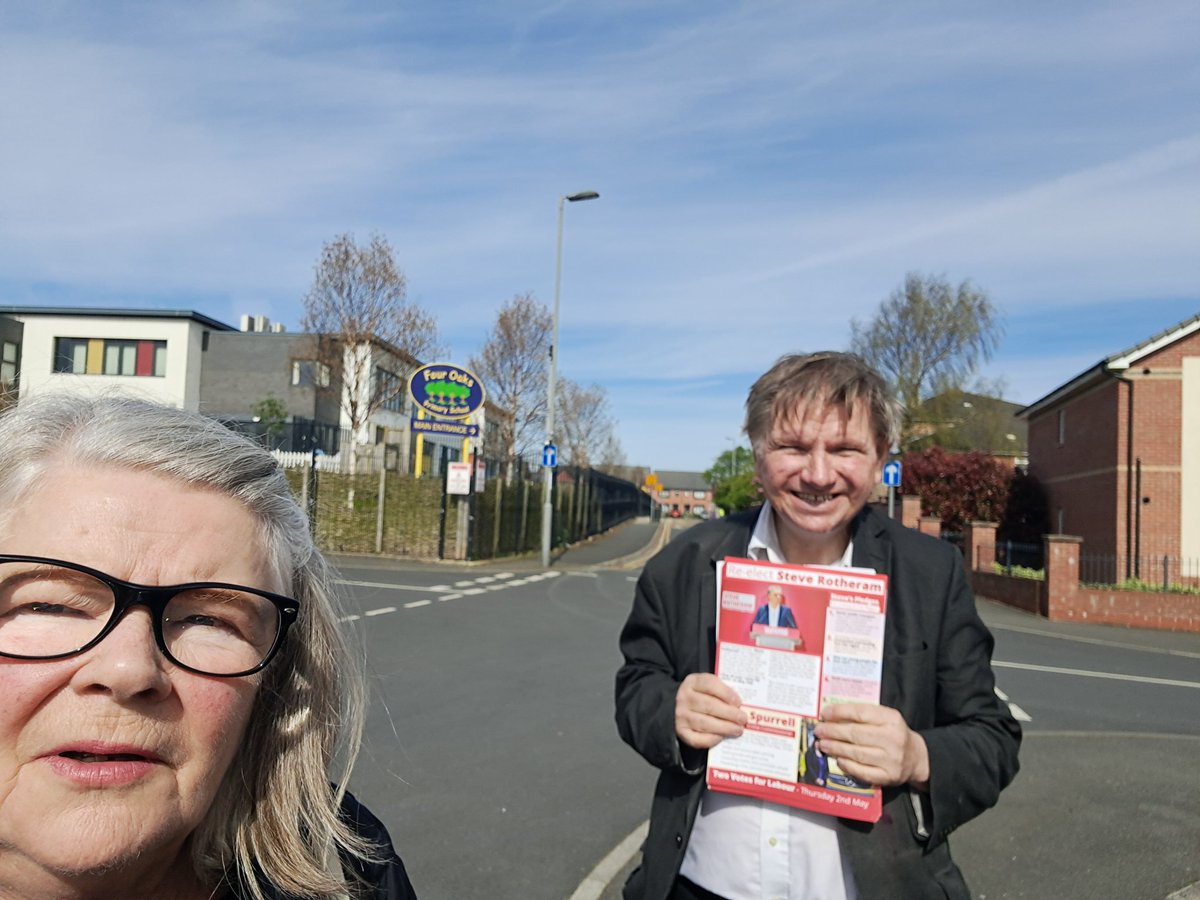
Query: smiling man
{"x": 940, "y": 743}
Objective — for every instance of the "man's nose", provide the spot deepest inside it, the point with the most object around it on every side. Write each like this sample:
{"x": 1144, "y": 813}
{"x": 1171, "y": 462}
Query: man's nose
{"x": 819, "y": 470}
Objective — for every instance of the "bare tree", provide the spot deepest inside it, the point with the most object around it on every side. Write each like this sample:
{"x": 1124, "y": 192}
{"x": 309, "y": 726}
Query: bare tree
{"x": 928, "y": 336}
{"x": 586, "y": 427}
{"x": 366, "y": 328}
{"x": 512, "y": 365}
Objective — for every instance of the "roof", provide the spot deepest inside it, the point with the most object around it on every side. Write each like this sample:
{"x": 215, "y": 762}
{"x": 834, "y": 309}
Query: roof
{"x": 963, "y": 420}
{"x": 684, "y": 481}
{"x": 116, "y": 313}
{"x": 1113, "y": 365}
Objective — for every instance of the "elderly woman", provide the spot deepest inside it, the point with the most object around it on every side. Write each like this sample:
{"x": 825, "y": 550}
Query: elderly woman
{"x": 176, "y": 691}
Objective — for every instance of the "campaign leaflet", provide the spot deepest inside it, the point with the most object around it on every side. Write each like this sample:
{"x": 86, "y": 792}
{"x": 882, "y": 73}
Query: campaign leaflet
{"x": 790, "y": 640}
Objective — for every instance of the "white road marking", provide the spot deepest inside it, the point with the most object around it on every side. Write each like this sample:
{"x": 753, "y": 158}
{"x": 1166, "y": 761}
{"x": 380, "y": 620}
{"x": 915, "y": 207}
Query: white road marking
{"x": 460, "y": 589}
{"x": 585, "y": 574}
{"x": 1124, "y": 645}
{"x": 608, "y": 868}
{"x": 1085, "y": 673}
{"x": 1191, "y": 892}
{"x": 1019, "y": 714}
{"x": 395, "y": 587}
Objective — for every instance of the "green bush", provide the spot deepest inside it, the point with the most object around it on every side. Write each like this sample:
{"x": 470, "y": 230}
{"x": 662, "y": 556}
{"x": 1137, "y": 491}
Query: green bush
{"x": 1020, "y": 572}
{"x": 1141, "y": 584}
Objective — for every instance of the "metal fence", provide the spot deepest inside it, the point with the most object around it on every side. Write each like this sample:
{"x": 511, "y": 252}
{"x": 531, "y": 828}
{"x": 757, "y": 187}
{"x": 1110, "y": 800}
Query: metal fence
{"x": 383, "y": 510}
{"x": 297, "y": 436}
{"x": 1145, "y": 571}
{"x": 1010, "y": 554}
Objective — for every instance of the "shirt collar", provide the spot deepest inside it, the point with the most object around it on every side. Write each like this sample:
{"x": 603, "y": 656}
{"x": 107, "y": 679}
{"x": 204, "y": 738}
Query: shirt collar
{"x": 764, "y": 542}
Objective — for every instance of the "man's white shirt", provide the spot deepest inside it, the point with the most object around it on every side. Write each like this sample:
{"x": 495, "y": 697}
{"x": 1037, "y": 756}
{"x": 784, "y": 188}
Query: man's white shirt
{"x": 742, "y": 848}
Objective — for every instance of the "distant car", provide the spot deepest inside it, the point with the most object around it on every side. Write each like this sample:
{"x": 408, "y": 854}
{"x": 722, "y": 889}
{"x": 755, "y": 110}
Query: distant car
{"x": 675, "y": 514}
{"x": 700, "y": 512}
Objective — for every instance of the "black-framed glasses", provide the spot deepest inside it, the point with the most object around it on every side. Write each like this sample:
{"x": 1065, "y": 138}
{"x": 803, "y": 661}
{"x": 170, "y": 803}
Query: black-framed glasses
{"x": 50, "y": 609}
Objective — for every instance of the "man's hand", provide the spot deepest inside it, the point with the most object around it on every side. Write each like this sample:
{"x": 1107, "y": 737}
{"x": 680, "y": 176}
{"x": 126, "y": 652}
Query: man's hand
{"x": 707, "y": 710}
{"x": 873, "y": 744}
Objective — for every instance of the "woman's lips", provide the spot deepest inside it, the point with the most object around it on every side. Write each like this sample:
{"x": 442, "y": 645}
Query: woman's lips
{"x": 95, "y": 765}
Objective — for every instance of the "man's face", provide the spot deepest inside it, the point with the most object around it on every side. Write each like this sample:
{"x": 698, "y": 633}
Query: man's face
{"x": 774, "y": 596}
{"x": 817, "y": 467}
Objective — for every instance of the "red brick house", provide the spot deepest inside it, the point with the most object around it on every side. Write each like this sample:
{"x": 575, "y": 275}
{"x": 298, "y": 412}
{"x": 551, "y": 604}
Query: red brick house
{"x": 1117, "y": 449}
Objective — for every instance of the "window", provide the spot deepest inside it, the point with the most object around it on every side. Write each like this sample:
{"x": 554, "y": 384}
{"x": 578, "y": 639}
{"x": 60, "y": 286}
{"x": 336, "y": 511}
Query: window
{"x": 390, "y": 389}
{"x": 309, "y": 373}
{"x": 105, "y": 356}
{"x": 8, "y": 364}
{"x": 1062, "y": 427}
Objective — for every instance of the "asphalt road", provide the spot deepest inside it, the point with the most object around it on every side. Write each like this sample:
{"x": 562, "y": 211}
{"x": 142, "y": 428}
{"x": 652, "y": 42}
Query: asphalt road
{"x": 492, "y": 755}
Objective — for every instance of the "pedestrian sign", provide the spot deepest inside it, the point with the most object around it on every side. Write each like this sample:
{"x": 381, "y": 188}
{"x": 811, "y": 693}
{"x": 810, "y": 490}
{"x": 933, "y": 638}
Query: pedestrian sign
{"x": 549, "y": 456}
{"x": 891, "y": 473}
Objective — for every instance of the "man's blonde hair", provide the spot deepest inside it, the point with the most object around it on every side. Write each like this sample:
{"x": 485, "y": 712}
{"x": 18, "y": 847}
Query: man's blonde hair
{"x": 842, "y": 380}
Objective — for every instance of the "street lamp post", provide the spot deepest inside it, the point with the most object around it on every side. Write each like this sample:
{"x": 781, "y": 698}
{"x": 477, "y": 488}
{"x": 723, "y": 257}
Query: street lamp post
{"x": 548, "y": 471}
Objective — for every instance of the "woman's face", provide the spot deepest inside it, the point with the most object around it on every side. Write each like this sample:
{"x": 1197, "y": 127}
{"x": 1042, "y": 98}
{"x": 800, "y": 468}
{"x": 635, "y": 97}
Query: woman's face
{"x": 110, "y": 759}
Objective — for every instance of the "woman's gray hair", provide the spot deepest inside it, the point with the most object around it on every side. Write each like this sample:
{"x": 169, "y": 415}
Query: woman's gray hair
{"x": 828, "y": 378}
{"x": 275, "y": 814}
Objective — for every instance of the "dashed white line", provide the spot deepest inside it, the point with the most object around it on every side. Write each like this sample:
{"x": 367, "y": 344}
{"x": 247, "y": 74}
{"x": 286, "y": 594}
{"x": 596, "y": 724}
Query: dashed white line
{"x": 417, "y": 603}
{"x": 351, "y": 618}
{"x": 394, "y": 587}
{"x": 382, "y": 611}
{"x": 474, "y": 590}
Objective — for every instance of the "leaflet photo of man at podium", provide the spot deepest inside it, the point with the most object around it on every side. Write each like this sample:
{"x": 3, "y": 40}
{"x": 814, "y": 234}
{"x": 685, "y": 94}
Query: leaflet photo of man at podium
{"x": 775, "y": 612}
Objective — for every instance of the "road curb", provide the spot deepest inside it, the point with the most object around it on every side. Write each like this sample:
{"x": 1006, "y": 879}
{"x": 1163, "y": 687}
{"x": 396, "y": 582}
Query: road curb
{"x": 597, "y": 880}
{"x": 638, "y": 557}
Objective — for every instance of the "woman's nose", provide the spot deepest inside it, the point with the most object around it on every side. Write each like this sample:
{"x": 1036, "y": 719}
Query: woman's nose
{"x": 128, "y": 663}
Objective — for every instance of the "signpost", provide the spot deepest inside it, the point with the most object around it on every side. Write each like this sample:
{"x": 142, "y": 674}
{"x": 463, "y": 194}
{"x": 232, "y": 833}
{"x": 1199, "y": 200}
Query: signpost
{"x": 891, "y": 478}
{"x": 549, "y": 456}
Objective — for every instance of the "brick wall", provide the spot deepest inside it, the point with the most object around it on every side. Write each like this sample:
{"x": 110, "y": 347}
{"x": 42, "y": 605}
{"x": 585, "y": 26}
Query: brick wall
{"x": 1092, "y": 475}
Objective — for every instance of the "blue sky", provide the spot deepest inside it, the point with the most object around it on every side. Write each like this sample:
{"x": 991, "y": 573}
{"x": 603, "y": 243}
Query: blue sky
{"x": 767, "y": 171}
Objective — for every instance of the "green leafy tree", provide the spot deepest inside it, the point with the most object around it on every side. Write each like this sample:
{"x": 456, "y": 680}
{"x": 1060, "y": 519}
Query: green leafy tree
{"x": 271, "y": 413}
{"x": 928, "y": 337}
{"x": 1026, "y": 511}
{"x": 732, "y": 477}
